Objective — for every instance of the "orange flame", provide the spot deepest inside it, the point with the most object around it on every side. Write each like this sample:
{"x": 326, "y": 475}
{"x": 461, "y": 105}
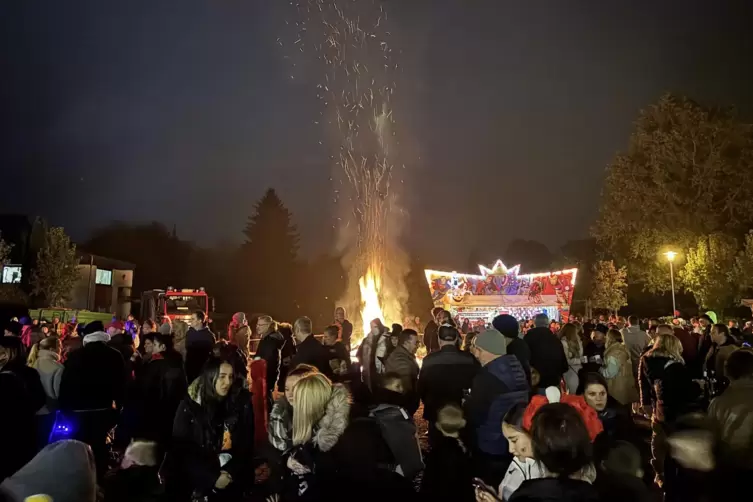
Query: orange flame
{"x": 371, "y": 288}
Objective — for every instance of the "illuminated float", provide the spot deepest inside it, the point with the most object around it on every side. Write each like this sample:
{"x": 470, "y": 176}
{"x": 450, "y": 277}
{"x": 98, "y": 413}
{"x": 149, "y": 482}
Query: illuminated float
{"x": 502, "y": 290}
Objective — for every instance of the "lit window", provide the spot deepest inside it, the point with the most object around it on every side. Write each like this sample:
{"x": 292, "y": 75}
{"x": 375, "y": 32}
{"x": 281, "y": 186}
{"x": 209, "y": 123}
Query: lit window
{"x": 104, "y": 277}
{"x": 11, "y": 274}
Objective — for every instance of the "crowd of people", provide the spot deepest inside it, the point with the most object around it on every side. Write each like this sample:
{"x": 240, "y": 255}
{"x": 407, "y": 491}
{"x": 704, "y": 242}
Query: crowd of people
{"x": 517, "y": 410}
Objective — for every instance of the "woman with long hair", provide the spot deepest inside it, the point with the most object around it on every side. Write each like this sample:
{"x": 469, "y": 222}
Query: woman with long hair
{"x": 320, "y": 416}
{"x": 618, "y": 369}
{"x": 213, "y": 431}
{"x": 573, "y": 346}
{"x": 667, "y": 391}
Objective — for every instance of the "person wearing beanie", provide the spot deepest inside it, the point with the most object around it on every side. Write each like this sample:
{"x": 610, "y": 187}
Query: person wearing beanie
{"x": 92, "y": 389}
{"x": 497, "y": 387}
{"x": 516, "y": 346}
{"x": 445, "y": 376}
{"x": 548, "y": 357}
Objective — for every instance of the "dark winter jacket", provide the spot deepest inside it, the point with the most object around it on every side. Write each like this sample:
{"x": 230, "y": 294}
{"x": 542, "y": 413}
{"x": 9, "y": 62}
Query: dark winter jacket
{"x": 594, "y": 355}
{"x": 346, "y": 332}
{"x": 269, "y": 349}
{"x": 199, "y": 439}
{"x": 613, "y": 487}
{"x": 555, "y": 490}
{"x": 135, "y": 484}
{"x": 547, "y": 356}
{"x": 16, "y": 424}
{"x": 159, "y": 388}
{"x": 448, "y": 473}
{"x": 399, "y": 432}
{"x": 199, "y": 345}
{"x": 404, "y": 364}
{"x": 445, "y": 375}
{"x": 36, "y": 395}
{"x": 498, "y": 386}
{"x": 431, "y": 337}
{"x": 519, "y": 348}
{"x": 311, "y": 352}
{"x": 93, "y": 378}
{"x": 666, "y": 385}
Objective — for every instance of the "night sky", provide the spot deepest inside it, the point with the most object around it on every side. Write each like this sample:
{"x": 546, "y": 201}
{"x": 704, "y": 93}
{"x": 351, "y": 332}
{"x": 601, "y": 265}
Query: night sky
{"x": 183, "y": 111}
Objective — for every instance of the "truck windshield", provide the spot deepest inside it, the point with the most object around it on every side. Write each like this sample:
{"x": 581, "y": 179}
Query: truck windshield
{"x": 181, "y": 305}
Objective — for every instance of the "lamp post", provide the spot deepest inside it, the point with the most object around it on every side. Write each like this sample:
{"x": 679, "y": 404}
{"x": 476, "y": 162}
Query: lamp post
{"x": 671, "y": 257}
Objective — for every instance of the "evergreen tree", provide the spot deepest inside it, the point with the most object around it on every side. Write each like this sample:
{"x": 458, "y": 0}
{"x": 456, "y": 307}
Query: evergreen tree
{"x": 269, "y": 260}
{"x": 56, "y": 271}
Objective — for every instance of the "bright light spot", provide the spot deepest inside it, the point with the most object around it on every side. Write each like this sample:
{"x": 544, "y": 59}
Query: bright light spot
{"x": 371, "y": 287}
{"x": 670, "y": 255}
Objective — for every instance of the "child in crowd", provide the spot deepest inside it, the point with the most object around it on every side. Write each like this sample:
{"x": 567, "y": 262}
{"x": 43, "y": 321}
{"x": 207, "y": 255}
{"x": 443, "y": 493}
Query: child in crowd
{"x": 448, "y": 464}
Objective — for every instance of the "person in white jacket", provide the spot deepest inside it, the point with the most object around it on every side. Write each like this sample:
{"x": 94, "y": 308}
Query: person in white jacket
{"x": 573, "y": 346}
{"x": 523, "y": 466}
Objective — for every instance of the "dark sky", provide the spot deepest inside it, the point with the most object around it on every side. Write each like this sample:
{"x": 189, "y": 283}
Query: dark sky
{"x": 183, "y": 111}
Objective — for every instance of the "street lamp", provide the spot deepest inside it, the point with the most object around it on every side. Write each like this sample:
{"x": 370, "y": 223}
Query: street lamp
{"x": 671, "y": 257}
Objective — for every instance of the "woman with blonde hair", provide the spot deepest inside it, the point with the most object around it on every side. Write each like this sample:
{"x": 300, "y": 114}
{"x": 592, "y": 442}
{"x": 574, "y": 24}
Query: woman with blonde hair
{"x": 667, "y": 391}
{"x": 320, "y": 416}
{"x": 573, "y": 346}
{"x": 179, "y": 332}
{"x": 618, "y": 370}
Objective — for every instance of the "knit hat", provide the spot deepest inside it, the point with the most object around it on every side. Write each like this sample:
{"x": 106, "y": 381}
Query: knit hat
{"x": 507, "y": 325}
{"x": 491, "y": 341}
{"x": 99, "y": 336}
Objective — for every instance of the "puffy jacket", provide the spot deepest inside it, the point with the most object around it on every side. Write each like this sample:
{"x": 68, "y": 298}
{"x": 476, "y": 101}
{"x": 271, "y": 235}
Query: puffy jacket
{"x": 50, "y": 372}
{"x": 666, "y": 385}
{"x": 732, "y": 414}
{"x": 404, "y": 364}
{"x": 399, "y": 432}
{"x": 497, "y": 387}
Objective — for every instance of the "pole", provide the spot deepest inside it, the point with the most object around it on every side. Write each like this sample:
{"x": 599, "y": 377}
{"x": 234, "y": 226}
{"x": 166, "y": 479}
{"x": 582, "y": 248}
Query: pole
{"x": 89, "y": 289}
{"x": 672, "y": 278}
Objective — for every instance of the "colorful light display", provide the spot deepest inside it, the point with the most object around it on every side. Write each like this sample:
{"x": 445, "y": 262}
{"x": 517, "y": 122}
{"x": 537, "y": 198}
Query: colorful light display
{"x": 502, "y": 290}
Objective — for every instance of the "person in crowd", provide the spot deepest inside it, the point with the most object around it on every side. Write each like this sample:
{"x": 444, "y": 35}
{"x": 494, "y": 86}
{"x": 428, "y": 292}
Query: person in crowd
{"x": 159, "y": 388}
{"x": 137, "y": 478}
{"x": 516, "y": 346}
{"x": 13, "y": 328}
{"x": 61, "y": 472}
{"x": 13, "y": 360}
{"x": 179, "y": 330}
{"x": 497, "y": 387}
{"x": 45, "y": 358}
{"x": 721, "y": 347}
{"x": 615, "y": 418}
{"x": 26, "y": 331}
{"x": 667, "y": 391}
{"x": 123, "y": 342}
{"x": 705, "y": 323}
{"x": 561, "y": 443}
{"x": 547, "y": 355}
{"x": 636, "y": 340}
{"x": 731, "y": 413}
{"x": 618, "y": 370}
{"x": 620, "y": 475}
{"x": 339, "y": 357}
{"x": 448, "y": 472}
{"x": 371, "y": 354}
{"x": 468, "y": 341}
{"x": 287, "y": 353}
{"x": 92, "y": 390}
{"x": 393, "y": 341}
{"x": 239, "y": 332}
{"x": 212, "y": 441}
{"x": 269, "y": 349}
{"x": 308, "y": 349}
{"x": 20, "y": 404}
{"x": 320, "y": 417}
{"x": 445, "y": 376}
{"x": 573, "y": 346}
{"x": 403, "y": 361}
{"x": 431, "y": 330}
{"x": 199, "y": 343}
{"x": 148, "y": 327}
{"x": 593, "y": 352}
{"x": 396, "y": 427}
{"x": 346, "y": 327}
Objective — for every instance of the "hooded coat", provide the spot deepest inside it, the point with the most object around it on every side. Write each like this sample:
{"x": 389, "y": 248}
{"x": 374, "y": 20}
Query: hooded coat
{"x": 51, "y": 373}
{"x": 199, "y": 440}
{"x": 315, "y": 468}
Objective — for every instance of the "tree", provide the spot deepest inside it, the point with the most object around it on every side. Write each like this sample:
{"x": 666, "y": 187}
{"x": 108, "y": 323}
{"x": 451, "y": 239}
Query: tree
{"x": 709, "y": 272}
{"x": 686, "y": 174}
{"x": 609, "y": 290}
{"x": 269, "y": 260}
{"x": 56, "y": 269}
{"x": 743, "y": 269}
{"x": 581, "y": 254}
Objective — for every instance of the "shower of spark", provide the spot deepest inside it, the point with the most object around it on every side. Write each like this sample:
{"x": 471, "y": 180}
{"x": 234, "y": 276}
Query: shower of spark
{"x": 349, "y": 37}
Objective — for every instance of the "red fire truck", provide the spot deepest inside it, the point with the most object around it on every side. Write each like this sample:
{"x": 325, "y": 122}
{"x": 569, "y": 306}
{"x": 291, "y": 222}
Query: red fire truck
{"x": 177, "y": 304}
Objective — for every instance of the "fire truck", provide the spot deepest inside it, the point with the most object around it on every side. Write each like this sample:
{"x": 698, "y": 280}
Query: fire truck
{"x": 177, "y": 304}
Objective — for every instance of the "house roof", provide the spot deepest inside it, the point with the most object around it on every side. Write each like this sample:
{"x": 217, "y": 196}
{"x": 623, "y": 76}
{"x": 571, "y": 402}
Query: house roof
{"x": 104, "y": 262}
